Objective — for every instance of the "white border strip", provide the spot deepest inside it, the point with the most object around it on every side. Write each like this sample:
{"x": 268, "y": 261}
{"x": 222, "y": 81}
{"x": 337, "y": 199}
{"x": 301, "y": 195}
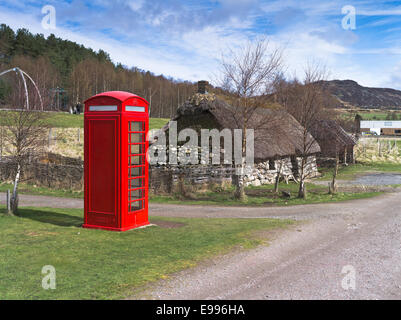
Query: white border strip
{"x": 102, "y": 108}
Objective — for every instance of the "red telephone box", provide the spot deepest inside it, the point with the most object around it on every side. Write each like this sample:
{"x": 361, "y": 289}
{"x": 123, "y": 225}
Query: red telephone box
{"x": 116, "y": 168}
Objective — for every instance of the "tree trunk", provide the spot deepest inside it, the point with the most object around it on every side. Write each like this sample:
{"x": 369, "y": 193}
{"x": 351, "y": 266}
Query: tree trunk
{"x": 333, "y": 187}
{"x": 302, "y": 187}
{"x": 302, "y": 190}
{"x": 14, "y": 197}
{"x": 345, "y": 156}
{"x": 181, "y": 184}
{"x": 240, "y": 188}
{"x": 1, "y": 143}
{"x": 278, "y": 177}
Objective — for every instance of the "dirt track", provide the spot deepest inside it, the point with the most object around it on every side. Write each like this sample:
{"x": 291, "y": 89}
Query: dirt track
{"x": 305, "y": 262}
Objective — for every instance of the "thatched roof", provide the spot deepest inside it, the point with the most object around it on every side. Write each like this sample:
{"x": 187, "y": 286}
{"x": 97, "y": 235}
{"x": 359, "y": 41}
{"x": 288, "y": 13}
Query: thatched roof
{"x": 330, "y": 133}
{"x": 276, "y": 133}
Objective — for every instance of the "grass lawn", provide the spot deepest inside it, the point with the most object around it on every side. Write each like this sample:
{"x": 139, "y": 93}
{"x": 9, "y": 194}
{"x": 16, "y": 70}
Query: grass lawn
{"x": 263, "y": 196}
{"x": 376, "y": 115}
{"x": 257, "y": 196}
{"x": 369, "y": 114}
{"x": 41, "y": 191}
{"x": 66, "y": 120}
{"x": 97, "y": 264}
{"x": 352, "y": 171}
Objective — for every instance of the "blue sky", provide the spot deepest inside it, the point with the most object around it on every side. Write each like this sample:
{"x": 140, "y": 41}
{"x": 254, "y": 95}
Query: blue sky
{"x": 185, "y": 39}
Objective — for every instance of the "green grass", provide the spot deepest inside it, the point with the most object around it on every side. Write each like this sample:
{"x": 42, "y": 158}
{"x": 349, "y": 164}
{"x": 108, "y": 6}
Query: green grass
{"x": 157, "y": 123}
{"x": 376, "y": 115}
{"x": 257, "y": 196}
{"x": 98, "y": 264}
{"x": 352, "y": 171}
{"x": 66, "y": 120}
{"x": 42, "y": 191}
{"x": 263, "y": 196}
{"x": 370, "y": 115}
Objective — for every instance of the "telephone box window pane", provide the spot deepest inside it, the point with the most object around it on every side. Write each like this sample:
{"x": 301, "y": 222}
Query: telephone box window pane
{"x": 136, "y": 172}
{"x": 135, "y": 149}
{"x": 135, "y": 160}
{"x": 137, "y": 205}
{"x": 136, "y": 138}
{"x": 136, "y": 126}
{"x": 135, "y": 183}
{"x": 136, "y": 194}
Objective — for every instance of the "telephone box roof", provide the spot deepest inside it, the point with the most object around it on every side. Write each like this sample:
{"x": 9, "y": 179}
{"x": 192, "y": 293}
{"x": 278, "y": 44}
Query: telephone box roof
{"x": 119, "y": 95}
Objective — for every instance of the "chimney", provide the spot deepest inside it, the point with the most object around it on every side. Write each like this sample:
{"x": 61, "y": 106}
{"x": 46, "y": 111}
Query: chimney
{"x": 202, "y": 86}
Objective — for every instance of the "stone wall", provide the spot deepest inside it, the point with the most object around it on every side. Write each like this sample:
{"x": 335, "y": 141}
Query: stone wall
{"x": 57, "y": 176}
{"x": 162, "y": 179}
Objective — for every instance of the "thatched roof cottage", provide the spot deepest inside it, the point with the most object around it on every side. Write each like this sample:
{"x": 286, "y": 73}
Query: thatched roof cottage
{"x": 278, "y": 137}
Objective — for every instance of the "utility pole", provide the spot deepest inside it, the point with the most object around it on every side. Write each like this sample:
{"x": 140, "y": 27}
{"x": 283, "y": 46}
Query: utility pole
{"x": 178, "y": 95}
{"x": 150, "y": 99}
{"x": 172, "y": 104}
{"x": 160, "y": 102}
{"x": 1, "y": 143}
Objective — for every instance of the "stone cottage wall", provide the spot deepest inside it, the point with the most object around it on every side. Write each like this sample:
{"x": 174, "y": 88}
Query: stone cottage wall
{"x": 165, "y": 179}
{"x": 266, "y": 172}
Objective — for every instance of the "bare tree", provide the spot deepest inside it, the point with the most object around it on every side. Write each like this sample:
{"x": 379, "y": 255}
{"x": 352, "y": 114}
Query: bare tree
{"x": 247, "y": 73}
{"x": 279, "y": 170}
{"x": 306, "y": 101}
{"x": 24, "y": 140}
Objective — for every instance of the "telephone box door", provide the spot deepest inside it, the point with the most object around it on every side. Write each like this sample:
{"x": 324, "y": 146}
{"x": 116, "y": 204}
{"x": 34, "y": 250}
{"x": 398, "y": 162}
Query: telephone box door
{"x": 102, "y": 137}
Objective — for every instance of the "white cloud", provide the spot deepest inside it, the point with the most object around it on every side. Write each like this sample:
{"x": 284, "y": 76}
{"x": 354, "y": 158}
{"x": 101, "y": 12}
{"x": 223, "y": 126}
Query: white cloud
{"x": 136, "y": 4}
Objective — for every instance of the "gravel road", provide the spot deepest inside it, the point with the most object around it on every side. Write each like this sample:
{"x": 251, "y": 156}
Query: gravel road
{"x": 305, "y": 262}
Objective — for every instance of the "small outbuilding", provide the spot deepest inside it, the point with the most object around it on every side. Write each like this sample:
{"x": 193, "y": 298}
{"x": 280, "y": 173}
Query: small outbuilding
{"x": 333, "y": 140}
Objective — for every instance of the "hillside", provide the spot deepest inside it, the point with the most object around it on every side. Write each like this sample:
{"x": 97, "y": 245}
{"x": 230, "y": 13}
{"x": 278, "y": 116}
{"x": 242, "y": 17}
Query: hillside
{"x": 80, "y": 72}
{"x": 351, "y": 94}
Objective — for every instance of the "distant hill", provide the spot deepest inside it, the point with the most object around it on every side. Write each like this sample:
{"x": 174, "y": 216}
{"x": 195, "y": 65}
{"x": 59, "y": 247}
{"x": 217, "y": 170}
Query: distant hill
{"x": 351, "y": 94}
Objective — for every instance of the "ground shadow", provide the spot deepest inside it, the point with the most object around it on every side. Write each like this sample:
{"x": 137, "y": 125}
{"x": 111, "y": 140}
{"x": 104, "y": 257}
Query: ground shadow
{"x": 55, "y": 218}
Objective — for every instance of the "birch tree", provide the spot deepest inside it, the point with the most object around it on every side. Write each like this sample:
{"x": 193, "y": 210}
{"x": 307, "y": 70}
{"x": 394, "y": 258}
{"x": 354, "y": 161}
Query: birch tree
{"x": 24, "y": 140}
{"x": 248, "y": 73}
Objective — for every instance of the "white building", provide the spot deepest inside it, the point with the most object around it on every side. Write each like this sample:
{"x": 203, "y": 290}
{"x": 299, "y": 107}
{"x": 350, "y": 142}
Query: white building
{"x": 386, "y": 127}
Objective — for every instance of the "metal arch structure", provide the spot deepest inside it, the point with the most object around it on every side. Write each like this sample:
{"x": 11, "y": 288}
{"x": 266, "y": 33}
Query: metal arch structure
{"x": 22, "y": 73}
